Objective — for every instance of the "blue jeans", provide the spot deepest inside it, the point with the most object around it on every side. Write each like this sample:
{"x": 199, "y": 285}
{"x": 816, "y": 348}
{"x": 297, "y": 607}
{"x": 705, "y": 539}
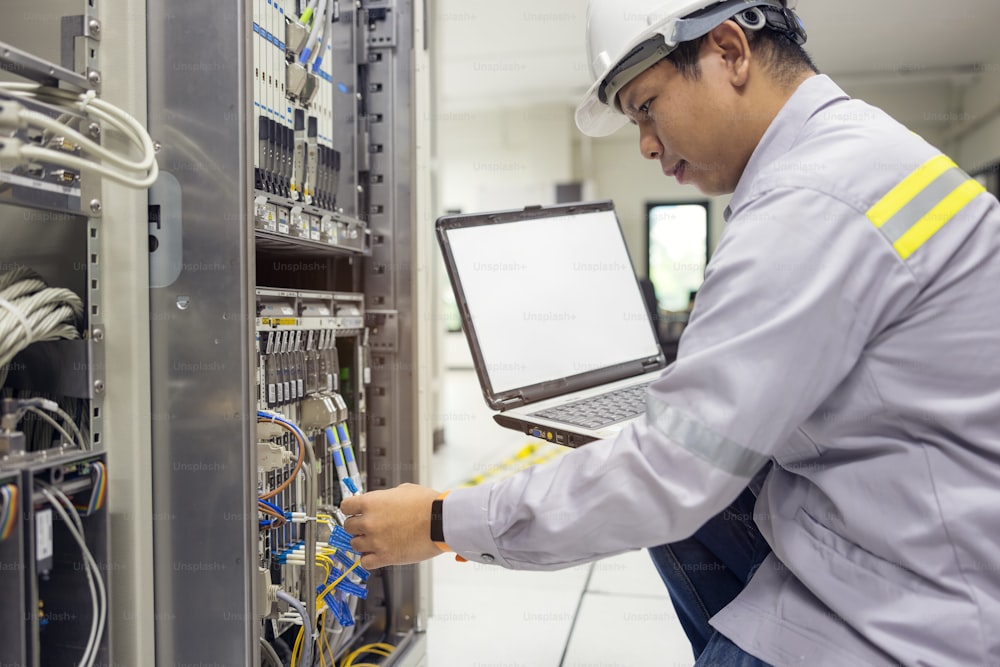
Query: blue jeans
{"x": 706, "y": 571}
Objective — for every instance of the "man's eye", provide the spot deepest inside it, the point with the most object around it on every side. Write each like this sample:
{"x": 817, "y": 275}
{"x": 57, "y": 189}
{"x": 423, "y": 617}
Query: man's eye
{"x": 644, "y": 109}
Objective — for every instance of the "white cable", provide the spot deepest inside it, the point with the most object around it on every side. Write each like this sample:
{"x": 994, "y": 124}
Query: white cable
{"x": 86, "y": 144}
{"x": 21, "y": 319}
{"x": 307, "y": 631}
{"x": 54, "y": 424}
{"x": 74, "y": 162}
{"x": 33, "y": 312}
{"x": 312, "y": 5}
{"x": 321, "y": 42}
{"x": 100, "y": 110}
{"x": 75, "y": 527}
{"x": 320, "y": 20}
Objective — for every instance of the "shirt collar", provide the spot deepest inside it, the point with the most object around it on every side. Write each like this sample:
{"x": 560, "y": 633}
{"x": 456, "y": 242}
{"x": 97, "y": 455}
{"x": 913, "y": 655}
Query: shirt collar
{"x": 812, "y": 95}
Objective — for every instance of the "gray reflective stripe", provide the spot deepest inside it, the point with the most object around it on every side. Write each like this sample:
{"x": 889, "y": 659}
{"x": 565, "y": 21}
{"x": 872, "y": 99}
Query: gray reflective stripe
{"x": 698, "y": 439}
{"x": 923, "y": 203}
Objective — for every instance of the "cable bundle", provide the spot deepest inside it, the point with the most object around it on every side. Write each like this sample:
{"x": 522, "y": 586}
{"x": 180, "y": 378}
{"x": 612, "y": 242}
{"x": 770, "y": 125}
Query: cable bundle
{"x": 8, "y": 510}
{"x": 140, "y": 174}
{"x": 31, "y": 312}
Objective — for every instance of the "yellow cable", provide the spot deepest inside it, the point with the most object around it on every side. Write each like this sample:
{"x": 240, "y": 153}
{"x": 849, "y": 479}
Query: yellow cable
{"x": 333, "y": 584}
{"x": 298, "y": 645}
{"x": 380, "y": 648}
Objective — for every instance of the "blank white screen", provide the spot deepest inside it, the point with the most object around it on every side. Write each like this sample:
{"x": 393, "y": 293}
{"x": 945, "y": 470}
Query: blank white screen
{"x": 552, "y": 297}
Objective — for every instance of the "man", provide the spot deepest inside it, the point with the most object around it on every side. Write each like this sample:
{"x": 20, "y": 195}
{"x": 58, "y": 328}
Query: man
{"x": 830, "y": 433}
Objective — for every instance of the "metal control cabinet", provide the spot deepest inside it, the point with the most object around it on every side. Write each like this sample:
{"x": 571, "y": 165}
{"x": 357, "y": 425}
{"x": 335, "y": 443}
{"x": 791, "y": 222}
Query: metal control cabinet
{"x": 233, "y": 233}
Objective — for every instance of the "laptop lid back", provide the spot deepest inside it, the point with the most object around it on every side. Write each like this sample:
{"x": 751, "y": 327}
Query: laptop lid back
{"x": 549, "y": 300}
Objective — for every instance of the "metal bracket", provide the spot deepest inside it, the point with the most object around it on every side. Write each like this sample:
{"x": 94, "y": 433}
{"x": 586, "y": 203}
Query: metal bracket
{"x": 383, "y": 326}
{"x": 81, "y": 25}
{"x": 38, "y": 69}
{"x": 381, "y": 27}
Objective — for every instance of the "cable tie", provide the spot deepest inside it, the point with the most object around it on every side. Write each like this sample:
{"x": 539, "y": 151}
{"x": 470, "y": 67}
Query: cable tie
{"x": 22, "y": 320}
{"x": 88, "y": 96}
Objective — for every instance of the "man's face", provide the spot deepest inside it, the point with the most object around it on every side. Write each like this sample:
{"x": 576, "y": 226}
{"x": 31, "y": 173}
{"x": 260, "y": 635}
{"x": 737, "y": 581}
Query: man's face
{"x": 689, "y": 125}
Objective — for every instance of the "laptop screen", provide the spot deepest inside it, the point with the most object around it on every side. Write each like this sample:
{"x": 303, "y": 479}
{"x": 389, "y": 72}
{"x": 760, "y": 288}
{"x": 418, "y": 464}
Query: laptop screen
{"x": 550, "y": 297}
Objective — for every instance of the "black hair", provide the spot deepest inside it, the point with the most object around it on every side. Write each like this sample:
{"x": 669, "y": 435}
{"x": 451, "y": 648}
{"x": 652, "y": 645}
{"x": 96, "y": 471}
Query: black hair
{"x": 781, "y": 56}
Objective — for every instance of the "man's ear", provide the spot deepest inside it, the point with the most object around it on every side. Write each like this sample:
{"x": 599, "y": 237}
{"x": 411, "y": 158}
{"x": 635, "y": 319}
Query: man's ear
{"x": 728, "y": 42}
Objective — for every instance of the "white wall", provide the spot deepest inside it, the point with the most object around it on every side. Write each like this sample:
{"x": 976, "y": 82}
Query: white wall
{"x": 979, "y": 142}
{"x": 489, "y": 160}
{"x": 509, "y": 158}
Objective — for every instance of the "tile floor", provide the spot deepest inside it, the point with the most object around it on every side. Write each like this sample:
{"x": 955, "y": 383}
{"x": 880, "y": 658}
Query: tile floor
{"x": 613, "y": 613}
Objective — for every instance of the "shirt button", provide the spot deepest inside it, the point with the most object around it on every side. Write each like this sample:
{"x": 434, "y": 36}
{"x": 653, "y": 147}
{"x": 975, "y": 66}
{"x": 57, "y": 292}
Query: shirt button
{"x": 488, "y": 558}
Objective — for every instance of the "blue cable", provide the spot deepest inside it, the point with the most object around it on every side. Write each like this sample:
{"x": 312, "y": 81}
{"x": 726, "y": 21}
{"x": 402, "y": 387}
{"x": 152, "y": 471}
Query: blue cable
{"x": 287, "y": 515}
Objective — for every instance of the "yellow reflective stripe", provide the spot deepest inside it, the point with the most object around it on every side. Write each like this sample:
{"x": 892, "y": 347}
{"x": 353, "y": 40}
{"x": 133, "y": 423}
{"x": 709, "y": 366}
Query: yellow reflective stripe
{"x": 947, "y": 209}
{"x": 911, "y": 186}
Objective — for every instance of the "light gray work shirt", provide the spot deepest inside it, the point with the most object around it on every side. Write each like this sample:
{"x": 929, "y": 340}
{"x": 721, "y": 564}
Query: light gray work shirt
{"x": 848, "y": 329}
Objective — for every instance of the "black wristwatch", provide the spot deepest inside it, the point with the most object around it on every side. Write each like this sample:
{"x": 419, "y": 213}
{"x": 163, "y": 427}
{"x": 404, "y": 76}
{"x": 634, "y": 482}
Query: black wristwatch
{"x": 437, "y": 520}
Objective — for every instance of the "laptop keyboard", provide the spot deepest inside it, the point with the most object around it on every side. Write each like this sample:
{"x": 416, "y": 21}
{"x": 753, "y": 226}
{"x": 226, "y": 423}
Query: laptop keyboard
{"x": 600, "y": 411}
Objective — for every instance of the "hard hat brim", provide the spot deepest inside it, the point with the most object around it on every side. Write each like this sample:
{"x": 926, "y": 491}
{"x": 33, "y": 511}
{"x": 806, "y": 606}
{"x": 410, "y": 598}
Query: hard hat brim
{"x": 596, "y": 119}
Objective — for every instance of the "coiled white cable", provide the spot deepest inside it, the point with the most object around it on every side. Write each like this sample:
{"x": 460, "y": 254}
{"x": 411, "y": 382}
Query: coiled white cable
{"x": 31, "y": 312}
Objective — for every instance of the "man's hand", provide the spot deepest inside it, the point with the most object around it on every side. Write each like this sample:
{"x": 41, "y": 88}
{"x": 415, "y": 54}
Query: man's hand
{"x": 391, "y": 527}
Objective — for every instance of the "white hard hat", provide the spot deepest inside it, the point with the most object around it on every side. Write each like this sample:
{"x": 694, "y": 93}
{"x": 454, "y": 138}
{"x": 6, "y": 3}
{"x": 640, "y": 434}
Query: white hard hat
{"x": 626, "y": 37}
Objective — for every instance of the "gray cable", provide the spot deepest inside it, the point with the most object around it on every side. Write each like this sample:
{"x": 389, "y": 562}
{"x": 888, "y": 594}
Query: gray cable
{"x": 54, "y": 424}
{"x": 267, "y": 651}
{"x": 307, "y": 649}
{"x": 100, "y": 600}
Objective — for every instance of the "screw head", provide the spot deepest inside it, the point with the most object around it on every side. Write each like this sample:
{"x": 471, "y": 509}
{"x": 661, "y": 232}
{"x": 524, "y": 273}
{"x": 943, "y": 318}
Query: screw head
{"x": 157, "y": 146}
{"x": 95, "y": 130}
{"x": 95, "y": 205}
{"x": 95, "y": 26}
{"x": 98, "y": 334}
{"x": 94, "y": 77}
{"x": 98, "y": 386}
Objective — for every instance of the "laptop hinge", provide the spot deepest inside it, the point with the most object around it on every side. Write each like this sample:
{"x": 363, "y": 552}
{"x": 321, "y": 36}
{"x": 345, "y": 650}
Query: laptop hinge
{"x": 651, "y": 364}
{"x": 512, "y": 402}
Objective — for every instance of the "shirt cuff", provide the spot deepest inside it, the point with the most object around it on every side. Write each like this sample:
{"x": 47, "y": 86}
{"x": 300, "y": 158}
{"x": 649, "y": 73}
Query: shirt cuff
{"x": 467, "y": 526}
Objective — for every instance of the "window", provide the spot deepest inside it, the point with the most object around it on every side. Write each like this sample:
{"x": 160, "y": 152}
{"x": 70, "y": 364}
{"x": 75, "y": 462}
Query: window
{"x": 677, "y": 251}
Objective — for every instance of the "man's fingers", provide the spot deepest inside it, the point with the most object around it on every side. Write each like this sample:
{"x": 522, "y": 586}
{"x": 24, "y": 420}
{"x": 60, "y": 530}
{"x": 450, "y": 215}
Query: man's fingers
{"x": 362, "y": 545}
{"x": 355, "y": 525}
{"x": 352, "y": 505}
{"x": 371, "y": 562}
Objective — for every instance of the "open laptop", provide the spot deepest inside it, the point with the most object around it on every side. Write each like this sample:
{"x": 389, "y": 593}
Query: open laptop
{"x": 554, "y": 317}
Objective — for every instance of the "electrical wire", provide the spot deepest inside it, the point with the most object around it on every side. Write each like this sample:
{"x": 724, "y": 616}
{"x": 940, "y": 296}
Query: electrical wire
{"x": 54, "y": 424}
{"x": 99, "y": 492}
{"x": 8, "y": 515}
{"x": 267, "y": 651}
{"x": 88, "y": 104}
{"x": 306, "y": 626}
{"x": 31, "y": 312}
{"x": 61, "y": 503}
{"x": 333, "y": 584}
{"x": 263, "y": 417}
{"x": 319, "y": 22}
{"x": 380, "y": 649}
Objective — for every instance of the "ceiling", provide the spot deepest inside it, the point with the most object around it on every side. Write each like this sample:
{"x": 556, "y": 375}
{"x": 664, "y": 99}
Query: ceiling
{"x": 522, "y": 52}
